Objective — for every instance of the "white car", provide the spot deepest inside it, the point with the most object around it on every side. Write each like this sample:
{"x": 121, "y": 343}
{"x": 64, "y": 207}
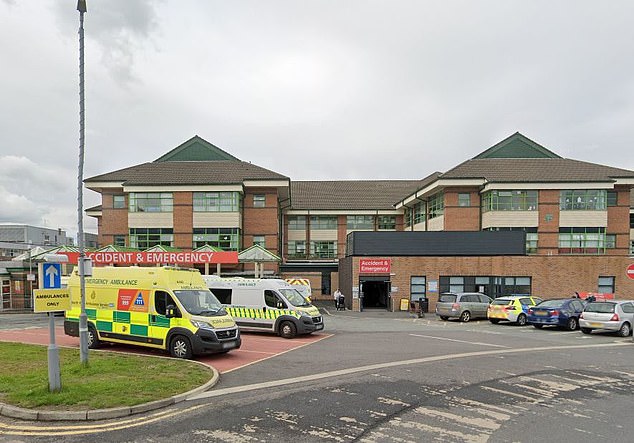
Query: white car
{"x": 610, "y": 315}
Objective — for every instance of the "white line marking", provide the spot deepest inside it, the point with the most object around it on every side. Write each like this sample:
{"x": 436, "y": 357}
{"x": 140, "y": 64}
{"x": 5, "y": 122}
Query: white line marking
{"x": 459, "y": 341}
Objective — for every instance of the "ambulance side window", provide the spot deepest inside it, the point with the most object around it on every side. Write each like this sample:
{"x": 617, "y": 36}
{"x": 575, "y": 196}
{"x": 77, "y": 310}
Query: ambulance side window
{"x": 272, "y": 300}
{"x": 161, "y": 301}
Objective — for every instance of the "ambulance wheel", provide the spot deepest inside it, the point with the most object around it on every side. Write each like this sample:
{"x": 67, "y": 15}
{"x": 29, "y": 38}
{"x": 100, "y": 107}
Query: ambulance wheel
{"x": 93, "y": 338}
{"x": 180, "y": 347}
{"x": 288, "y": 329}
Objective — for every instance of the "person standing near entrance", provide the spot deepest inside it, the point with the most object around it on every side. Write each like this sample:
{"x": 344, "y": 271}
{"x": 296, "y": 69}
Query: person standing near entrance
{"x": 336, "y": 296}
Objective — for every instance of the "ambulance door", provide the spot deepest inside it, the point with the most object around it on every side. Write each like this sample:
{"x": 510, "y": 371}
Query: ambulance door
{"x": 159, "y": 324}
{"x": 275, "y": 307}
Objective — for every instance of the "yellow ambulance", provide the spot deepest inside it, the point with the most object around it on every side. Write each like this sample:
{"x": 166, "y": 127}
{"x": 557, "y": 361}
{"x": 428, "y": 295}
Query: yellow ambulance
{"x": 160, "y": 307}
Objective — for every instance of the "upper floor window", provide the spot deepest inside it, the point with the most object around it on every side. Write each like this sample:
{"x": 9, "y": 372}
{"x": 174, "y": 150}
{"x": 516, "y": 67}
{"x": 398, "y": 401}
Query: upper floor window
{"x": 143, "y": 238}
{"x": 118, "y": 240}
{"x": 118, "y": 201}
{"x": 613, "y": 198}
{"x": 297, "y": 222}
{"x": 407, "y": 217}
{"x": 436, "y": 205}
{"x": 323, "y": 222}
{"x": 296, "y": 248}
{"x": 323, "y": 249}
{"x": 259, "y": 240}
{"x": 386, "y": 222}
{"x": 151, "y": 202}
{"x": 259, "y": 200}
{"x": 216, "y": 201}
{"x": 583, "y": 240}
{"x": 360, "y": 222}
{"x": 518, "y": 200}
{"x": 419, "y": 212}
{"x": 227, "y": 239}
{"x": 583, "y": 200}
{"x": 464, "y": 199}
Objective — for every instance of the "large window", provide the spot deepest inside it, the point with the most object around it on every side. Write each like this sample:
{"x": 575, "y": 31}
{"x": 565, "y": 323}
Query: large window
{"x": 583, "y": 200}
{"x": 151, "y": 202}
{"x": 323, "y": 249}
{"x": 227, "y": 239}
{"x": 417, "y": 287}
{"x": 321, "y": 222}
{"x": 360, "y": 222}
{"x": 436, "y": 205}
{"x": 493, "y": 286}
{"x": 531, "y": 237}
{"x": 407, "y": 217}
{"x": 118, "y": 201}
{"x": 296, "y": 249}
{"x": 583, "y": 241}
{"x": 520, "y": 200}
{"x": 217, "y": 201}
{"x": 386, "y": 222}
{"x": 419, "y": 212}
{"x": 297, "y": 222}
{"x": 143, "y": 238}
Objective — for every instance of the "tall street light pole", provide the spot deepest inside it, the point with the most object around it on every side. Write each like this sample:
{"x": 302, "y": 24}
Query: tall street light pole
{"x": 83, "y": 320}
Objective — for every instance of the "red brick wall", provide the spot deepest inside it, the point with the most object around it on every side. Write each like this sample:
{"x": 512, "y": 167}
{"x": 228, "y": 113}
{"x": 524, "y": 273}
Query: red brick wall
{"x": 113, "y": 221}
{"x": 619, "y": 221}
{"x": 183, "y": 220}
{"x": 261, "y": 221}
{"x": 461, "y": 218}
{"x": 548, "y": 225}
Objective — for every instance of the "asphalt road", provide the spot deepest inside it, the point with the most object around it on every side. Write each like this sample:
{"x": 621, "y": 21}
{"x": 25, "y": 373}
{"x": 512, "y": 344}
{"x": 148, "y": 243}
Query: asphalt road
{"x": 385, "y": 377}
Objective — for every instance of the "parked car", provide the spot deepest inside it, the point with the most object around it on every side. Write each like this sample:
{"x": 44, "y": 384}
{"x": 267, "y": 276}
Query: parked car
{"x": 512, "y": 308}
{"x": 612, "y": 315}
{"x": 562, "y": 312}
{"x": 462, "y": 305}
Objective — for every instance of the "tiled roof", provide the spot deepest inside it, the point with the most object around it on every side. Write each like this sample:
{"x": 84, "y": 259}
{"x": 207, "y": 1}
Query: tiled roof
{"x": 188, "y": 173}
{"x": 350, "y": 194}
{"x": 535, "y": 170}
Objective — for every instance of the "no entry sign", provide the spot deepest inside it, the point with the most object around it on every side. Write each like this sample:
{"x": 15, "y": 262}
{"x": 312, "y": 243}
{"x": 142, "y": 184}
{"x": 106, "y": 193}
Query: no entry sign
{"x": 630, "y": 271}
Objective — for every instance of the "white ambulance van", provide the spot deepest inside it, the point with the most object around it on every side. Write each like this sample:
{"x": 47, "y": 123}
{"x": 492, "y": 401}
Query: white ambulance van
{"x": 160, "y": 307}
{"x": 271, "y": 305}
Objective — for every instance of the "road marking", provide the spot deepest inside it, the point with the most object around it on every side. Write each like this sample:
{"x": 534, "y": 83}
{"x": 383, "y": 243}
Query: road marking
{"x": 374, "y": 367}
{"x": 459, "y": 341}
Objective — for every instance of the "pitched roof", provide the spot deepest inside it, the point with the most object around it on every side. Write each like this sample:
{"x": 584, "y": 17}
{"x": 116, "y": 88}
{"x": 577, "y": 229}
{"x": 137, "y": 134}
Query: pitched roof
{"x": 535, "y": 170}
{"x": 196, "y": 149}
{"x": 517, "y": 146}
{"x": 188, "y": 173}
{"x": 350, "y": 194}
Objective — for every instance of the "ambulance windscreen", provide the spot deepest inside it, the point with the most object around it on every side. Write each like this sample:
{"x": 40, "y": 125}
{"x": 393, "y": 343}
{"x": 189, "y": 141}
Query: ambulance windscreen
{"x": 294, "y": 297}
{"x": 200, "y": 302}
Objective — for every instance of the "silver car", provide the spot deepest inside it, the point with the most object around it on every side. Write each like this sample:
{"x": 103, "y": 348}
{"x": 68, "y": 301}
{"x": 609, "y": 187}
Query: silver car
{"x": 611, "y": 315}
{"x": 462, "y": 305}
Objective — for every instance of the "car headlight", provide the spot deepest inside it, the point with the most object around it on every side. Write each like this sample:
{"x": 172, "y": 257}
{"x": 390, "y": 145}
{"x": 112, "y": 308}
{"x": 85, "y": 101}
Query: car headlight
{"x": 201, "y": 324}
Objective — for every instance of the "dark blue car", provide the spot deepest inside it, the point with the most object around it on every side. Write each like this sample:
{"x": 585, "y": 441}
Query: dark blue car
{"x": 562, "y": 312}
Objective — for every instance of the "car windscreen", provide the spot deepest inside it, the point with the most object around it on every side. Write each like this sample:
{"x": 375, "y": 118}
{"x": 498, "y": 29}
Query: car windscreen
{"x": 601, "y": 307}
{"x": 551, "y": 304}
{"x": 501, "y": 301}
{"x": 447, "y": 298}
{"x": 294, "y": 297}
{"x": 200, "y": 302}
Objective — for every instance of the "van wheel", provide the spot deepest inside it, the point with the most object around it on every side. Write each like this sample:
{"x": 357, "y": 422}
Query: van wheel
{"x": 288, "y": 329}
{"x": 465, "y": 316}
{"x": 93, "y": 338}
{"x": 180, "y": 347}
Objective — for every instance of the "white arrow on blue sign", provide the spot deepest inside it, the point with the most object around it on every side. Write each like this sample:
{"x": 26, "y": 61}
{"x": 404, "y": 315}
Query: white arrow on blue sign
{"x": 52, "y": 275}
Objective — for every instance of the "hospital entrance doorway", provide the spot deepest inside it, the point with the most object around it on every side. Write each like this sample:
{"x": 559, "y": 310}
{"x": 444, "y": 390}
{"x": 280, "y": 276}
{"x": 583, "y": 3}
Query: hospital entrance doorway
{"x": 375, "y": 292}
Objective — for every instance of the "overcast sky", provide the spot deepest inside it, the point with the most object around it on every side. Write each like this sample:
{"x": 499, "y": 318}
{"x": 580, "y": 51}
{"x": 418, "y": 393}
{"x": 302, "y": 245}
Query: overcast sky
{"x": 309, "y": 89}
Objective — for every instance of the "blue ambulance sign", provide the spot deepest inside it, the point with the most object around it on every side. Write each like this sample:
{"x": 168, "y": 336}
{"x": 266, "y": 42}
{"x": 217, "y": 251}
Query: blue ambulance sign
{"x": 52, "y": 275}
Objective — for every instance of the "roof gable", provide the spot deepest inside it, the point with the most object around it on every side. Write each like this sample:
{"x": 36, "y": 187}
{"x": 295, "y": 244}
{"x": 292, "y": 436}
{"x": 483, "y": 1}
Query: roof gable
{"x": 196, "y": 149}
{"x": 517, "y": 146}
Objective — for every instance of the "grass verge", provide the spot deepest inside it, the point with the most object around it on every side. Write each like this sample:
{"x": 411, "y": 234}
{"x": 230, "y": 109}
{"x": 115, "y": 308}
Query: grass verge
{"x": 109, "y": 380}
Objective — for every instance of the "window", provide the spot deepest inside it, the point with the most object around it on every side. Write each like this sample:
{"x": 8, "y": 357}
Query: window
{"x": 606, "y": 285}
{"x": 118, "y": 240}
{"x": 610, "y": 241}
{"x": 491, "y": 286}
{"x": 259, "y": 240}
{"x": 259, "y": 200}
{"x": 419, "y": 212}
{"x": 296, "y": 249}
{"x": 322, "y": 222}
{"x": 582, "y": 240}
{"x": 464, "y": 199}
{"x": 456, "y": 284}
{"x": 227, "y": 239}
{"x": 509, "y": 201}
{"x": 143, "y": 238}
{"x": 360, "y": 222}
{"x": 297, "y": 222}
{"x": 407, "y": 217}
{"x": 216, "y": 201}
{"x": 118, "y": 201}
{"x": 161, "y": 301}
{"x": 386, "y": 222}
{"x": 417, "y": 287}
{"x": 436, "y": 205}
{"x": 151, "y": 202}
{"x": 613, "y": 198}
{"x": 271, "y": 299}
{"x": 583, "y": 200}
{"x": 323, "y": 249}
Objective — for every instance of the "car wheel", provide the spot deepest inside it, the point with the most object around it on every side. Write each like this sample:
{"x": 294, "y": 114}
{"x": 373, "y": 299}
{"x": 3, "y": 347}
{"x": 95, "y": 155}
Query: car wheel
{"x": 442, "y": 317}
{"x": 586, "y": 330}
{"x": 521, "y": 320}
{"x": 465, "y": 316}
{"x": 288, "y": 329}
{"x": 538, "y": 326}
{"x": 180, "y": 347}
{"x": 93, "y": 338}
{"x": 495, "y": 321}
{"x": 572, "y": 324}
{"x": 625, "y": 330}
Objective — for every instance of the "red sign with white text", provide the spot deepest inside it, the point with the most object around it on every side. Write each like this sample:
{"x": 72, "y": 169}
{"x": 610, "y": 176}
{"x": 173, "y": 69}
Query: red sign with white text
{"x": 630, "y": 271}
{"x": 374, "y": 265}
{"x": 136, "y": 258}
